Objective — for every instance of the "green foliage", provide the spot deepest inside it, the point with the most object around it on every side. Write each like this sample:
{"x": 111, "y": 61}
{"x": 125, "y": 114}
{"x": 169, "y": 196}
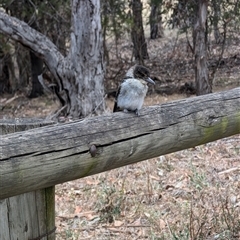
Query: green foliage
{"x": 198, "y": 179}
{"x": 112, "y": 203}
{"x": 52, "y": 18}
{"x": 116, "y": 17}
{"x": 219, "y": 12}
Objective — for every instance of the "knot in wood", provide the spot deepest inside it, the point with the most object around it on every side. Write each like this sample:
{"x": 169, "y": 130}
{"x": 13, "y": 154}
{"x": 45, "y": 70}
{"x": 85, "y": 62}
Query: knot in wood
{"x": 93, "y": 150}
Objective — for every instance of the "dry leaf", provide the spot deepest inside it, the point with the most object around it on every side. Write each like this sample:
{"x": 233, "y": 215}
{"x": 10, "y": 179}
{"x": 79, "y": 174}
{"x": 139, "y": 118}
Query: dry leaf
{"x": 162, "y": 224}
{"x": 92, "y": 182}
{"x": 118, "y": 223}
{"x": 137, "y": 222}
{"x": 78, "y": 209}
{"x": 147, "y": 215}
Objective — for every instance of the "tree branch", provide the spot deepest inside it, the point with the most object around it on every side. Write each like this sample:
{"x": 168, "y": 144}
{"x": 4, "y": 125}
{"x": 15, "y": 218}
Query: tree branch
{"x": 30, "y": 38}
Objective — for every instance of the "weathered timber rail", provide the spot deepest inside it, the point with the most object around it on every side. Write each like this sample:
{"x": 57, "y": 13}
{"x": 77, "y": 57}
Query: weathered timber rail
{"x": 50, "y": 155}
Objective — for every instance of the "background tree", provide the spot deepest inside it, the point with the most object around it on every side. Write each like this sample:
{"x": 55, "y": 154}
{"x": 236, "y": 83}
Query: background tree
{"x": 216, "y": 9}
{"x": 79, "y": 75}
{"x": 155, "y": 19}
{"x": 221, "y": 22}
{"x": 116, "y": 22}
{"x": 10, "y": 79}
{"x": 47, "y": 17}
{"x": 203, "y": 85}
{"x": 138, "y": 38}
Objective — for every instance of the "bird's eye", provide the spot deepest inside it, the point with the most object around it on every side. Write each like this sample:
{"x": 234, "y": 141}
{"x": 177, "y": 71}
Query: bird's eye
{"x": 141, "y": 72}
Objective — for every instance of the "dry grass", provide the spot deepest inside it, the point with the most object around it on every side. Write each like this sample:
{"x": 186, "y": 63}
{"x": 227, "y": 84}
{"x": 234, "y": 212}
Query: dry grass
{"x": 191, "y": 194}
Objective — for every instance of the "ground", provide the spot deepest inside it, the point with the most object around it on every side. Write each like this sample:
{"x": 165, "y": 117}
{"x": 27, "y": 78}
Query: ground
{"x": 190, "y": 194}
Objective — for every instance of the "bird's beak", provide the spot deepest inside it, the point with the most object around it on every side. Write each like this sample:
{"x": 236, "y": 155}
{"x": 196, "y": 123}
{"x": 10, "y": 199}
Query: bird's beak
{"x": 149, "y": 80}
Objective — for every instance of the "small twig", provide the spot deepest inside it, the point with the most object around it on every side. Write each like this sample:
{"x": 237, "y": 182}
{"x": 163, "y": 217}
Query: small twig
{"x": 11, "y": 99}
{"x": 40, "y": 79}
{"x": 54, "y": 116}
{"x": 44, "y": 235}
{"x": 95, "y": 109}
{"x": 137, "y": 225}
{"x": 189, "y": 44}
{"x": 170, "y": 230}
{"x": 128, "y": 226}
{"x": 229, "y": 170}
{"x": 191, "y": 228}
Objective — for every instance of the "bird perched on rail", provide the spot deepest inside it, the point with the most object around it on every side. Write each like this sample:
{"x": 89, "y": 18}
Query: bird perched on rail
{"x": 133, "y": 89}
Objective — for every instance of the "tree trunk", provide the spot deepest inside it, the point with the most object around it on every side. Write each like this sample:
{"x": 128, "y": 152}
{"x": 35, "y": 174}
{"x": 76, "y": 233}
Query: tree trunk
{"x": 216, "y": 17}
{"x": 80, "y": 75}
{"x": 9, "y": 69}
{"x": 36, "y": 70}
{"x": 4, "y": 74}
{"x": 203, "y": 85}
{"x": 84, "y": 69}
{"x": 138, "y": 38}
{"x": 156, "y": 28}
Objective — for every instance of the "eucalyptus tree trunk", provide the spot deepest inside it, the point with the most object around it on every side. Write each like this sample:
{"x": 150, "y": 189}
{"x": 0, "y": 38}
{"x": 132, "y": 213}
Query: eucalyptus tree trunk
{"x": 86, "y": 71}
{"x": 203, "y": 85}
{"x": 79, "y": 75}
{"x": 216, "y": 18}
{"x": 138, "y": 38}
{"x": 155, "y": 19}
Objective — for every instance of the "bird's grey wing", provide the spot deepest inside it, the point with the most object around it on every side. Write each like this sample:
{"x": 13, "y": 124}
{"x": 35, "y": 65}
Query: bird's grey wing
{"x": 115, "y": 108}
{"x": 123, "y": 91}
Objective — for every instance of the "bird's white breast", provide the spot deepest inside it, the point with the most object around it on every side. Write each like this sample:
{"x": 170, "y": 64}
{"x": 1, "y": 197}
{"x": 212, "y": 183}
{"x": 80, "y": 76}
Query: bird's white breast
{"x": 132, "y": 94}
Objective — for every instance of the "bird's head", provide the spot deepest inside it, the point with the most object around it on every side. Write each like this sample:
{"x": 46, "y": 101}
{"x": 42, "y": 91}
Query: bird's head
{"x": 140, "y": 72}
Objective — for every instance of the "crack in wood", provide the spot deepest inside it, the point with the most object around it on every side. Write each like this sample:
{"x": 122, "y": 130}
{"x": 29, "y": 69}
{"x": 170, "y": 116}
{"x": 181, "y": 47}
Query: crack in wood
{"x": 19, "y": 155}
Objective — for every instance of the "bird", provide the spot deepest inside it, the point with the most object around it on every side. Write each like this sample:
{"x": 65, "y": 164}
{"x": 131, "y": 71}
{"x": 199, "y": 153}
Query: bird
{"x": 133, "y": 89}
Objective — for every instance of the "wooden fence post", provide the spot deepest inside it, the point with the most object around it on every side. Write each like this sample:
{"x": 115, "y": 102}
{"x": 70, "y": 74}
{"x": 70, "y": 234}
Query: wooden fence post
{"x": 29, "y": 216}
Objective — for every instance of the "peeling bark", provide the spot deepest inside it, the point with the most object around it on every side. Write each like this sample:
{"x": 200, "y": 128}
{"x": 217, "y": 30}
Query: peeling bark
{"x": 86, "y": 40}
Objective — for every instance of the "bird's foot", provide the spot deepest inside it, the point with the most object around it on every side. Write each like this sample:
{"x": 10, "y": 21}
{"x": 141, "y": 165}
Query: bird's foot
{"x": 137, "y": 112}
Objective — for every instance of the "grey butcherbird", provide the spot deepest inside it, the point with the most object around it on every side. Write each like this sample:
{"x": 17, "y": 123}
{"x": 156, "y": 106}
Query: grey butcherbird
{"x": 133, "y": 89}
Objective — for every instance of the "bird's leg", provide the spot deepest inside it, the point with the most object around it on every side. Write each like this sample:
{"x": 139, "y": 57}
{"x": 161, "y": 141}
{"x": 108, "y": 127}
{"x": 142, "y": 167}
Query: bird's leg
{"x": 135, "y": 111}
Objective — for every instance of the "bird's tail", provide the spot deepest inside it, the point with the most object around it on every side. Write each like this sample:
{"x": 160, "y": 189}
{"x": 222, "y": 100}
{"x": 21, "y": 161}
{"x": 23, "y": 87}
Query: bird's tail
{"x": 115, "y": 108}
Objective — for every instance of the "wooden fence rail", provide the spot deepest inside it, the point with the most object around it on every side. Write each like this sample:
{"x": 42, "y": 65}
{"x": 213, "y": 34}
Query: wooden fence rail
{"x": 50, "y": 155}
